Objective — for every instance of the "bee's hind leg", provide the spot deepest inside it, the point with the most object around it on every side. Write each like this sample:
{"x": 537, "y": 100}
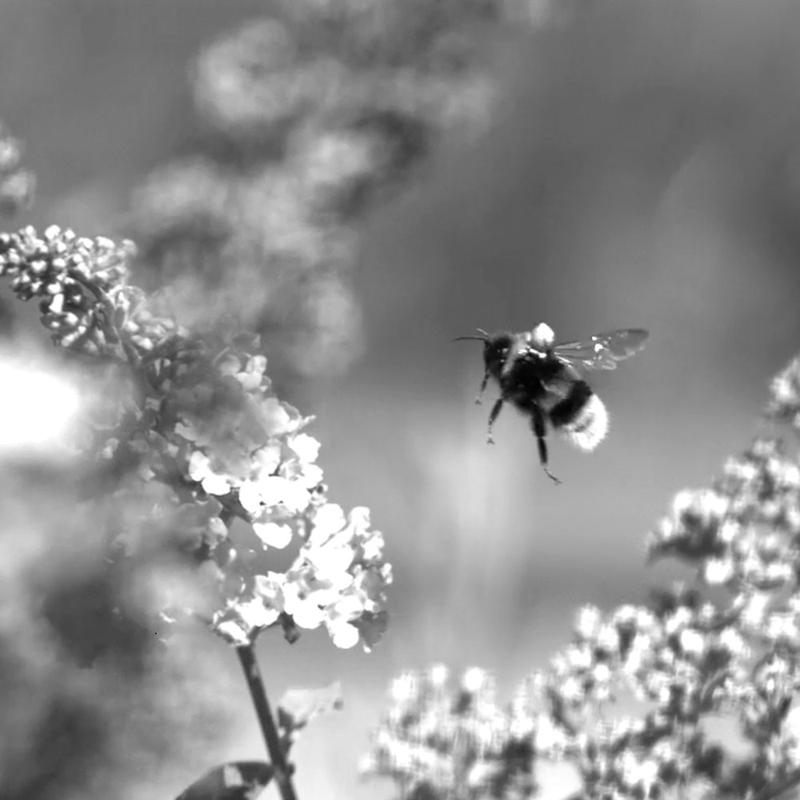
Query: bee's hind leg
{"x": 556, "y": 480}
{"x": 537, "y": 423}
{"x": 493, "y": 415}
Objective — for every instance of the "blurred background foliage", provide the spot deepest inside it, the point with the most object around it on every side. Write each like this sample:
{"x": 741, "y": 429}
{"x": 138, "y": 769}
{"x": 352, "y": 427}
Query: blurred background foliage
{"x": 363, "y": 189}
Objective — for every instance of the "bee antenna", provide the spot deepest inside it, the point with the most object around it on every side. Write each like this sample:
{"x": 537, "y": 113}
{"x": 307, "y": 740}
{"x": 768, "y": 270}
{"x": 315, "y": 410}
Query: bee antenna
{"x": 484, "y": 335}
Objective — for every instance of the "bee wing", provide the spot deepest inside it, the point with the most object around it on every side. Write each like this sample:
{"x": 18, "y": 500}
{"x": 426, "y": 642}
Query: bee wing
{"x": 603, "y": 350}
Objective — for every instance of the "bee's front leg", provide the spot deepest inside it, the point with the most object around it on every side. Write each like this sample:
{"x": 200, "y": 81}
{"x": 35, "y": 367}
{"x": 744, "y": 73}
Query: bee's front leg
{"x": 495, "y": 412}
{"x": 483, "y": 387}
{"x": 539, "y": 430}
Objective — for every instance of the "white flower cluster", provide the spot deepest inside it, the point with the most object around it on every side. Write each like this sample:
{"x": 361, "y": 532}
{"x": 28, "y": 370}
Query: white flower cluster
{"x": 674, "y": 659}
{"x": 443, "y": 741}
{"x": 726, "y": 647}
{"x": 198, "y": 415}
{"x": 784, "y": 402}
{"x": 318, "y": 110}
{"x": 741, "y": 533}
{"x": 74, "y": 278}
{"x": 337, "y": 580}
{"x": 248, "y": 450}
{"x": 251, "y": 445}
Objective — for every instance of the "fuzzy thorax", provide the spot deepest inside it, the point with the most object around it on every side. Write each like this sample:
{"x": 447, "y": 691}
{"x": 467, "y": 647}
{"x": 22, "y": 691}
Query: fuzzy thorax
{"x": 590, "y": 426}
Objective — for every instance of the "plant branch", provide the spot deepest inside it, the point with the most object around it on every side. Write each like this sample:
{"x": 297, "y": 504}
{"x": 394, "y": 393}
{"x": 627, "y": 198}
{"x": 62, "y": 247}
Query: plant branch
{"x": 283, "y": 772}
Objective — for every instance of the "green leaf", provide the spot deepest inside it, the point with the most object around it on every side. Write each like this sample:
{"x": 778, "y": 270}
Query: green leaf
{"x": 372, "y": 626}
{"x": 236, "y": 780}
{"x": 298, "y": 706}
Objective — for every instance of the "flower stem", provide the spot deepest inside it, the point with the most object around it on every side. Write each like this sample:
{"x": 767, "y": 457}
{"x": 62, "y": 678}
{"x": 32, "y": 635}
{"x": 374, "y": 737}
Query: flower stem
{"x": 252, "y": 674}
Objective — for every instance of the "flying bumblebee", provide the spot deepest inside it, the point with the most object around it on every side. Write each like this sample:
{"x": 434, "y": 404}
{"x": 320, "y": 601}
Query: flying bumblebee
{"x": 543, "y": 380}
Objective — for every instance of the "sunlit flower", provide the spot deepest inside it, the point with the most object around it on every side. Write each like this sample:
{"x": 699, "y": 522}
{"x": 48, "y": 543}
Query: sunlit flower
{"x": 269, "y": 491}
{"x": 273, "y": 534}
{"x": 305, "y": 447}
{"x": 474, "y": 679}
{"x": 692, "y": 642}
{"x": 256, "y": 614}
{"x": 718, "y": 571}
{"x": 588, "y": 622}
{"x": 200, "y": 470}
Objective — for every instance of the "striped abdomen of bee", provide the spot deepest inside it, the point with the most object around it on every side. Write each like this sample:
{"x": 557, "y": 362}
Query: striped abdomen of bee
{"x": 581, "y": 416}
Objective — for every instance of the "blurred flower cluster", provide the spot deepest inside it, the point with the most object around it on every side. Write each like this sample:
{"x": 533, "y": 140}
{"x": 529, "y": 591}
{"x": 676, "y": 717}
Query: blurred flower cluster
{"x": 675, "y": 662}
{"x": 195, "y": 415}
{"x": 310, "y": 115}
{"x": 440, "y": 741}
{"x": 17, "y": 183}
{"x": 723, "y": 648}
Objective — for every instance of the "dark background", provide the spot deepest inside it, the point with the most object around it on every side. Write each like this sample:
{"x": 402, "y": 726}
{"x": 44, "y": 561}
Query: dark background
{"x": 642, "y": 169}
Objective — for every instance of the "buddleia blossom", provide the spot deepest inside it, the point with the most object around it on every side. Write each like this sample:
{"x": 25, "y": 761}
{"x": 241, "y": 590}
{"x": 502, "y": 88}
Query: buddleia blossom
{"x": 690, "y": 656}
{"x": 677, "y": 660}
{"x": 446, "y": 741}
{"x": 81, "y": 284}
{"x": 632, "y": 700}
{"x": 312, "y": 115}
{"x": 784, "y": 403}
{"x": 337, "y": 58}
{"x": 227, "y": 436}
{"x": 693, "y": 654}
{"x": 17, "y": 184}
{"x": 742, "y": 529}
{"x": 337, "y": 580}
{"x": 200, "y": 418}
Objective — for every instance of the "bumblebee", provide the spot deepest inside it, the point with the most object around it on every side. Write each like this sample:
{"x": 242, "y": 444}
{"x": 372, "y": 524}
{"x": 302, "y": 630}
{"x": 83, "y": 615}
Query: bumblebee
{"x": 543, "y": 380}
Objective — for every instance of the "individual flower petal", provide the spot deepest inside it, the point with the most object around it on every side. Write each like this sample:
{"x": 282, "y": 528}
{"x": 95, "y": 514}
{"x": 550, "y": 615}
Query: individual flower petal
{"x": 330, "y": 559}
{"x": 308, "y": 615}
{"x": 718, "y": 571}
{"x": 311, "y": 476}
{"x": 216, "y": 485}
{"x": 279, "y": 418}
{"x": 692, "y": 642}
{"x": 350, "y": 607}
{"x": 199, "y": 465}
{"x": 228, "y": 364}
{"x": 275, "y": 490}
{"x": 358, "y": 520}
{"x": 233, "y": 632}
{"x": 372, "y": 546}
{"x": 267, "y": 459}
{"x": 474, "y": 679}
{"x": 270, "y": 587}
{"x": 256, "y": 614}
{"x": 328, "y": 519}
{"x": 587, "y": 622}
{"x": 306, "y": 447}
{"x": 305, "y": 612}
{"x": 200, "y": 469}
{"x": 250, "y": 497}
{"x": 252, "y": 375}
{"x": 343, "y": 634}
{"x": 272, "y": 534}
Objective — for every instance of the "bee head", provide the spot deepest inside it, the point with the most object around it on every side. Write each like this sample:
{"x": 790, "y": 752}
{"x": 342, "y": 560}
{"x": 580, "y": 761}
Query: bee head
{"x": 496, "y": 349}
